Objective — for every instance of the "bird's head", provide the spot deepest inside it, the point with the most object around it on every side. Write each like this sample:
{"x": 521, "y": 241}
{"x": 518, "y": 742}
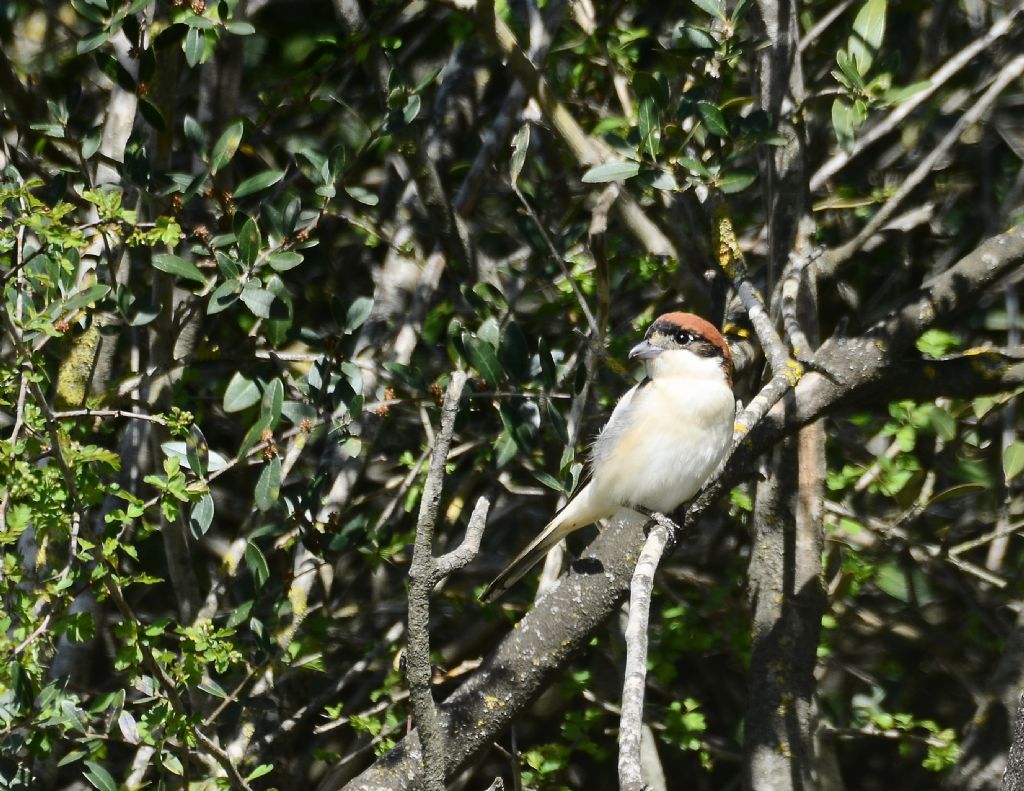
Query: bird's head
{"x": 683, "y": 344}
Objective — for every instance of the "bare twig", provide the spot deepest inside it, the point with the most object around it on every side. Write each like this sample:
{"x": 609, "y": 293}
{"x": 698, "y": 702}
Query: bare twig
{"x": 635, "y": 675}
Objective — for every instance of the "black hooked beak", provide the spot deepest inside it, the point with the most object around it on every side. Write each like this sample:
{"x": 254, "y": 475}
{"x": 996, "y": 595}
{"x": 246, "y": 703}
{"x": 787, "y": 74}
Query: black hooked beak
{"x": 645, "y": 350}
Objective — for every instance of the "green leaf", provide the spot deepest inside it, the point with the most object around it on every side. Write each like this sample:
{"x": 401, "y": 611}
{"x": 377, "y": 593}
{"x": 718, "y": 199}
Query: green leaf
{"x": 224, "y": 296}
{"x": 226, "y": 146}
{"x": 195, "y": 46}
{"x": 99, "y": 777}
{"x": 270, "y": 406}
{"x": 85, "y": 297}
{"x": 505, "y": 449}
{"x": 512, "y": 352}
{"x": 842, "y": 123}
{"x": 698, "y": 38}
{"x": 611, "y": 171}
{"x": 960, "y": 490}
{"x": 548, "y": 372}
{"x": 268, "y": 487}
{"x": 556, "y": 420}
{"x": 259, "y": 771}
{"x": 1013, "y": 460}
{"x": 407, "y": 375}
{"x": 197, "y": 451}
{"x": 897, "y": 95}
{"x": 257, "y": 299}
{"x": 943, "y": 423}
{"x": 211, "y": 687}
{"x": 694, "y": 167}
{"x": 849, "y": 76}
{"x": 362, "y": 195}
{"x": 92, "y": 42}
{"x": 712, "y": 118}
{"x": 252, "y": 436}
{"x": 714, "y": 7}
{"x": 240, "y": 394}
{"x": 179, "y": 267}
{"x": 249, "y": 241}
{"x": 357, "y": 314}
{"x": 868, "y": 33}
{"x": 736, "y": 181}
{"x": 240, "y": 28}
{"x": 649, "y": 122}
{"x": 194, "y": 133}
{"x": 520, "y": 145}
{"x": 548, "y": 480}
{"x": 200, "y": 516}
{"x": 891, "y": 579}
{"x": 257, "y": 564}
{"x": 259, "y": 182}
{"x": 285, "y": 260}
{"x": 172, "y": 763}
{"x": 482, "y": 357}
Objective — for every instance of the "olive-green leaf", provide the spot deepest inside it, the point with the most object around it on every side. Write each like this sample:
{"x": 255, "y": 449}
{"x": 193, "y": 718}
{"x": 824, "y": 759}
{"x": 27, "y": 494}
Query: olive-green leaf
{"x": 200, "y": 517}
{"x": 252, "y": 436}
{"x": 224, "y": 296}
{"x": 178, "y": 266}
{"x": 270, "y": 406}
{"x": 736, "y": 181}
{"x": 195, "y": 46}
{"x": 85, "y": 297}
{"x": 611, "y": 171}
{"x": 92, "y": 42}
{"x": 259, "y": 182}
{"x": 257, "y": 564}
{"x": 482, "y": 357}
{"x": 548, "y": 371}
{"x": 226, "y": 146}
{"x": 868, "y": 33}
{"x": 240, "y": 28}
{"x": 1013, "y": 459}
{"x": 249, "y": 240}
{"x": 240, "y": 394}
{"x": 257, "y": 299}
{"x": 284, "y": 260}
{"x": 712, "y": 118}
{"x": 197, "y": 451}
{"x": 649, "y": 122}
{"x": 714, "y": 7}
{"x": 268, "y": 487}
{"x": 520, "y": 145}
{"x": 357, "y": 314}
{"x": 99, "y": 777}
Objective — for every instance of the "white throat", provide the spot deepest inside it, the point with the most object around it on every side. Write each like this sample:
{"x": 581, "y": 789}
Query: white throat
{"x": 684, "y": 364}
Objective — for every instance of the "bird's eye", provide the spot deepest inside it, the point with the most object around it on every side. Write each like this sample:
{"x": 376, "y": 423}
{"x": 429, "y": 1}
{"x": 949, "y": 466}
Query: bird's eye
{"x": 683, "y": 337}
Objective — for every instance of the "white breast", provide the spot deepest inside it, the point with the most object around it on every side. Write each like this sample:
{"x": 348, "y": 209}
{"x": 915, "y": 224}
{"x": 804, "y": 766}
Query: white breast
{"x": 666, "y": 436}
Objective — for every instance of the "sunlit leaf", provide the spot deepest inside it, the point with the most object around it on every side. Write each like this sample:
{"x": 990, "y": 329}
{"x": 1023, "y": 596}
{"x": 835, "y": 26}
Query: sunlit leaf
{"x": 179, "y": 267}
{"x": 611, "y": 171}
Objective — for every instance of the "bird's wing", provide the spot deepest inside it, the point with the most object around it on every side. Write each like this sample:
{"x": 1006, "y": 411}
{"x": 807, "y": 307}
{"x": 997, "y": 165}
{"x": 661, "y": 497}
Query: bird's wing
{"x": 582, "y": 510}
{"x": 586, "y": 506}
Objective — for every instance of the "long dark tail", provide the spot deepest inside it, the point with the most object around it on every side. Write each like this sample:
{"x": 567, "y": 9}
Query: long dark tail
{"x": 578, "y": 513}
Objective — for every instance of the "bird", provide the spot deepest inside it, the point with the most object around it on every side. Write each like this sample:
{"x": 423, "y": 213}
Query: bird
{"x": 664, "y": 439}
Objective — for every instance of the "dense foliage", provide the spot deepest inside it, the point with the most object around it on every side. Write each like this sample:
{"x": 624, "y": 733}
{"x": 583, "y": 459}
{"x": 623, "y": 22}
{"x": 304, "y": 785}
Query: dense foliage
{"x": 244, "y": 244}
